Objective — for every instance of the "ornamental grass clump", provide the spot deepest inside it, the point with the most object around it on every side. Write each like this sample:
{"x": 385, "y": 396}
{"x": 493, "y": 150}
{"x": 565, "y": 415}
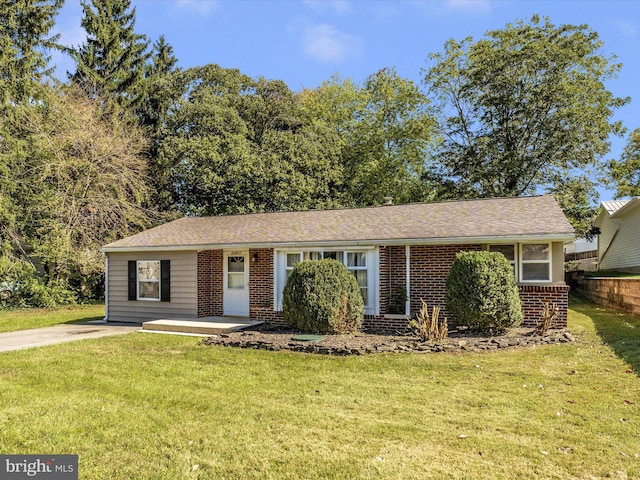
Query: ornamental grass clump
{"x": 322, "y": 296}
{"x": 482, "y": 293}
{"x": 428, "y": 327}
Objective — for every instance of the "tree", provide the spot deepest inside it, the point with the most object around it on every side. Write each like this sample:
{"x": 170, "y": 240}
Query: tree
{"x": 82, "y": 183}
{"x": 524, "y": 110}
{"x": 24, "y": 30}
{"x": 387, "y": 133}
{"x": 238, "y": 145}
{"x": 163, "y": 89}
{"x": 24, "y": 41}
{"x": 625, "y": 173}
{"x": 111, "y": 64}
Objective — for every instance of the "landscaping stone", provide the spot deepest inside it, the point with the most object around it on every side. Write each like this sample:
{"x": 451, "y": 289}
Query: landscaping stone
{"x": 278, "y": 339}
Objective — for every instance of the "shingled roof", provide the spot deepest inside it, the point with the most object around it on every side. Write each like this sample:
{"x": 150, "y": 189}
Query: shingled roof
{"x": 522, "y": 218}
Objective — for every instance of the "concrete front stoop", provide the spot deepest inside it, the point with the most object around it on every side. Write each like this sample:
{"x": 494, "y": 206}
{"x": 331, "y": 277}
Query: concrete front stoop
{"x": 203, "y": 326}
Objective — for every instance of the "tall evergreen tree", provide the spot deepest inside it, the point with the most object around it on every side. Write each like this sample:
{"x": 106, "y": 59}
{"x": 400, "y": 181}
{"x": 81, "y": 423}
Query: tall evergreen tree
{"x": 111, "y": 64}
{"x": 24, "y": 41}
{"x": 24, "y": 30}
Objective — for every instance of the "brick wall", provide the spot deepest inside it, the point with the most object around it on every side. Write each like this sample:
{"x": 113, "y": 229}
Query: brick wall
{"x": 618, "y": 293}
{"x": 430, "y": 265}
{"x": 210, "y": 283}
{"x": 533, "y": 298}
{"x": 261, "y": 286}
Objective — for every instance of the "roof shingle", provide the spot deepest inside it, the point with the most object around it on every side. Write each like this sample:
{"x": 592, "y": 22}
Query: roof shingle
{"x": 460, "y": 220}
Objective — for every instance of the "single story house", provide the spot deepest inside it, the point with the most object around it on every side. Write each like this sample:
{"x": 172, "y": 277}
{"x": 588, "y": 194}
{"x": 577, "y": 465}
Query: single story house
{"x": 619, "y": 238}
{"x": 237, "y": 265}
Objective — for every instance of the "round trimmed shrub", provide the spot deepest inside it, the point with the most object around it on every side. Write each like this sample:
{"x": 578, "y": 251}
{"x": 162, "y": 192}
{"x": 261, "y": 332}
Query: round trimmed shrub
{"x": 482, "y": 292}
{"x": 322, "y": 296}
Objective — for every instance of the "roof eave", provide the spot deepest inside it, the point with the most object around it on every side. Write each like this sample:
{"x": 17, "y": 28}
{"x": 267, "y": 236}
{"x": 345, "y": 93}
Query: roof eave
{"x": 631, "y": 204}
{"x": 547, "y": 237}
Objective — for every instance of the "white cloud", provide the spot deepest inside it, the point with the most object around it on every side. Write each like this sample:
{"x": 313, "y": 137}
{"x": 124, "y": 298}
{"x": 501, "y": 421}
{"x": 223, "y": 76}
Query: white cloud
{"x": 469, "y": 6}
{"x": 326, "y": 44}
{"x": 198, "y": 7}
{"x": 337, "y": 6}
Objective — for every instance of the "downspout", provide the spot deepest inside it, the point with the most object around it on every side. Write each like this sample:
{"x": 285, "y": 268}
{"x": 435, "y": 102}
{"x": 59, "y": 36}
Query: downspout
{"x": 407, "y": 256}
{"x": 106, "y": 287}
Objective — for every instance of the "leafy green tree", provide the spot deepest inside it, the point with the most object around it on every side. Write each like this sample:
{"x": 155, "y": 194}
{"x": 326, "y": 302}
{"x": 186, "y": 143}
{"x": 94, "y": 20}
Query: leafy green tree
{"x": 524, "y": 110}
{"x": 237, "y": 145}
{"x": 387, "y": 134}
{"x": 625, "y": 173}
{"x": 111, "y": 64}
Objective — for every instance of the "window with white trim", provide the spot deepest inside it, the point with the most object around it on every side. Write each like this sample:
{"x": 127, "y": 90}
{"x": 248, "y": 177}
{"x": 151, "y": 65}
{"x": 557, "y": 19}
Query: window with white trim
{"x": 148, "y": 279}
{"x": 509, "y": 251}
{"x": 535, "y": 262}
{"x": 359, "y": 262}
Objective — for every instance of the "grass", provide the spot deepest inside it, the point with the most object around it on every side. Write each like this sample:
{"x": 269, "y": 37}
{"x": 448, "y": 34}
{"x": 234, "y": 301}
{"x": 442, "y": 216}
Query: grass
{"x": 611, "y": 274}
{"x": 23, "y": 319}
{"x": 153, "y": 406}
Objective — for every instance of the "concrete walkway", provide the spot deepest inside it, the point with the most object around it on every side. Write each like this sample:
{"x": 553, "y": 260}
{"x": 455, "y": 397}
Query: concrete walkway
{"x": 39, "y": 337}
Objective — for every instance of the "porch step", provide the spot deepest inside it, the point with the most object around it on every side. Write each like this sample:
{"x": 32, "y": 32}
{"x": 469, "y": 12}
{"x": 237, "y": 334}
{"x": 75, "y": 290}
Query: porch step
{"x": 202, "y": 326}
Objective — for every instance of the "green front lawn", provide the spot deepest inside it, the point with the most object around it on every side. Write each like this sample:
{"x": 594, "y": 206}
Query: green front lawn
{"x": 145, "y": 406}
{"x": 25, "y": 318}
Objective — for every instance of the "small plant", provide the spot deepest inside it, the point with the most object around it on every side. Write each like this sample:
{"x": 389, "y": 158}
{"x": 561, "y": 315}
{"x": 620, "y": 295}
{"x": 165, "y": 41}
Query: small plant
{"x": 550, "y": 312}
{"x": 427, "y": 327}
{"x": 398, "y": 300}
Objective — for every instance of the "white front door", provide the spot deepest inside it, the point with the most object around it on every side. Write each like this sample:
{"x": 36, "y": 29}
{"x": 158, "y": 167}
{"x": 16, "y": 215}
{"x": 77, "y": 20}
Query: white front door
{"x": 235, "y": 299}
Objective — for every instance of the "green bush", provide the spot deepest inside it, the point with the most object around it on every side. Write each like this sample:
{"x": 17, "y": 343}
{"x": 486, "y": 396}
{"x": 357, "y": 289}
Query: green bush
{"x": 322, "y": 296}
{"x": 21, "y": 286}
{"x": 482, "y": 292}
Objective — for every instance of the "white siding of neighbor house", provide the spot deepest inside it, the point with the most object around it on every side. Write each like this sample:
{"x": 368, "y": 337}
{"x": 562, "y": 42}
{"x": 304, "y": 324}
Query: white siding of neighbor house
{"x": 624, "y": 252}
{"x": 184, "y": 301}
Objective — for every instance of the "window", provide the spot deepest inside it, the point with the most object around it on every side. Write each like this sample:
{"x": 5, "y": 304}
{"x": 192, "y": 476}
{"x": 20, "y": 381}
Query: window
{"x": 292, "y": 259}
{"x": 357, "y": 264}
{"x": 149, "y": 280}
{"x": 361, "y": 263}
{"x": 509, "y": 251}
{"x": 235, "y": 273}
{"x": 535, "y": 262}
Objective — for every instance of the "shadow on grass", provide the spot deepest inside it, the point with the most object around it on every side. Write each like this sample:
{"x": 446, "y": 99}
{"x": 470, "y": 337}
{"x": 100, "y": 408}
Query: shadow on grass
{"x": 619, "y": 330}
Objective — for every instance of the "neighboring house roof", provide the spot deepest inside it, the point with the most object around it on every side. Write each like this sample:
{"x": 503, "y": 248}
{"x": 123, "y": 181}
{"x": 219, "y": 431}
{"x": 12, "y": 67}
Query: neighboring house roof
{"x": 616, "y": 208}
{"x": 470, "y": 221}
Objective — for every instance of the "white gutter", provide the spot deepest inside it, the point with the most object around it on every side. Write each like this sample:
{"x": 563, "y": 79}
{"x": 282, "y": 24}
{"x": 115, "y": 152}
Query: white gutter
{"x": 106, "y": 287}
{"x": 350, "y": 243}
{"x": 407, "y": 256}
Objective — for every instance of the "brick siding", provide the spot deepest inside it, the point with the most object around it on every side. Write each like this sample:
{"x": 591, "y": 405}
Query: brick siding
{"x": 261, "y": 286}
{"x": 210, "y": 283}
{"x": 533, "y": 298}
{"x": 430, "y": 265}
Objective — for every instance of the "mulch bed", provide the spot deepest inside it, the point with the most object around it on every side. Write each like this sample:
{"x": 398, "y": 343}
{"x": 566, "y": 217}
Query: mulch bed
{"x": 276, "y": 338}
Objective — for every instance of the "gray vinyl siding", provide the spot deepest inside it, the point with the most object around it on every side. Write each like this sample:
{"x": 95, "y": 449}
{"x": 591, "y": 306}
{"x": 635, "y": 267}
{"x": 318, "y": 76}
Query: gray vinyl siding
{"x": 557, "y": 259}
{"x": 184, "y": 301}
{"x": 624, "y": 252}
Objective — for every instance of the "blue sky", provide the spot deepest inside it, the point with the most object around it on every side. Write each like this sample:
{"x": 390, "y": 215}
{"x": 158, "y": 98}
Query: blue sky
{"x": 304, "y": 42}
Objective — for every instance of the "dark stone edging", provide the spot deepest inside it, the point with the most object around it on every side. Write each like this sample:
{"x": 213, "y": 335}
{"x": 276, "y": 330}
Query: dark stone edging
{"x": 393, "y": 345}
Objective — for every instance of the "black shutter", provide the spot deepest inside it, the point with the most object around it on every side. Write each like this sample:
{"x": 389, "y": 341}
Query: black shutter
{"x": 165, "y": 280}
{"x": 133, "y": 280}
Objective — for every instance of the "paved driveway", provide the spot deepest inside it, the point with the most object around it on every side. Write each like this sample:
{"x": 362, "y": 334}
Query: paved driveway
{"x": 39, "y": 337}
